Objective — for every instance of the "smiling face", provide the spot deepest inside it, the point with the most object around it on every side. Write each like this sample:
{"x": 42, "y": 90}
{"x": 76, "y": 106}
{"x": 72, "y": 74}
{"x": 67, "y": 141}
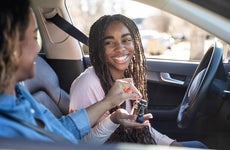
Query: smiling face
{"x": 28, "y": 50}
{"x": 119, "y": 48}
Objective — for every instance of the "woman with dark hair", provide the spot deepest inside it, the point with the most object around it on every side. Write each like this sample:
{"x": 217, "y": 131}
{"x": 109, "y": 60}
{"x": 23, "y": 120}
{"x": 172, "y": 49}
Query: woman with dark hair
{"x": 116, "y": 52}
{"x": 20, "y": 115}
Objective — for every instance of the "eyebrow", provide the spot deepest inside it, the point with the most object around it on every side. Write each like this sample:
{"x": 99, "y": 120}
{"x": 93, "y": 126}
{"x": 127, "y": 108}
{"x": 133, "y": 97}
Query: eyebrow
{"x": 111, "y": 37}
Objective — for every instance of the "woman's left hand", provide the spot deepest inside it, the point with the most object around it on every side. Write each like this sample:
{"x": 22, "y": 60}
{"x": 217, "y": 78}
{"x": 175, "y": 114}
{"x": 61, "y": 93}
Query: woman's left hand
{"x": 122, "y": 117}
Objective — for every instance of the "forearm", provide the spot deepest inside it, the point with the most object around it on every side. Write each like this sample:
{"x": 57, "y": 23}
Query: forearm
{"x": 96, "y": 110}
{"x": 161, "y": 139}
{"x": 101, "y": 132}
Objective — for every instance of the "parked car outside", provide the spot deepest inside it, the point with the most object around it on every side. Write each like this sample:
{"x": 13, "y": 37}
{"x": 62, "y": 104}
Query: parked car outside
{"x": 156, "y": 43}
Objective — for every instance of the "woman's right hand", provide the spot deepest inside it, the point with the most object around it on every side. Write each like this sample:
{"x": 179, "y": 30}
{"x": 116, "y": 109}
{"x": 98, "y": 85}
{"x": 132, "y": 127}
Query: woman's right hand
{"x": 122, "y": 90}
{"x": 122, "y": 117}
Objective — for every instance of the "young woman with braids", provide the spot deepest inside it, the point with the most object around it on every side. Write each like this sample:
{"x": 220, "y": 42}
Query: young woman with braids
{"x": 116, "y": 52}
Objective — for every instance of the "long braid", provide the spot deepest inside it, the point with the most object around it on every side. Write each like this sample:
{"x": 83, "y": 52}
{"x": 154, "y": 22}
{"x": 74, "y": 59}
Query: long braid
{"x": 136, "y": 70}
{"x": 96, "y": 52}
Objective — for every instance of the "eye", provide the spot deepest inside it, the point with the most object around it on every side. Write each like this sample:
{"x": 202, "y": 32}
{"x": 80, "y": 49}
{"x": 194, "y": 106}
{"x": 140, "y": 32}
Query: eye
{"x": 127, "y": 40}
{"x": 109, "y": 43}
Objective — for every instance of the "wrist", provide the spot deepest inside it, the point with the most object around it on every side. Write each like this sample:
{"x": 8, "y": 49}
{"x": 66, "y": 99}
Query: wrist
{"x": 113, "y": 118}
{"x": 108, "y": 104}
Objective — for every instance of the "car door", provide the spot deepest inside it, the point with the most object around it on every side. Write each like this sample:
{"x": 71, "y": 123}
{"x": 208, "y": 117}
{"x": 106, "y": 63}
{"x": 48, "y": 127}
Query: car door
{"x": 167, "y": 83}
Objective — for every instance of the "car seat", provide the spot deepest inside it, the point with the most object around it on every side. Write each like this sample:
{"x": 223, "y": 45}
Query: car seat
{"x": 45, "y": 88}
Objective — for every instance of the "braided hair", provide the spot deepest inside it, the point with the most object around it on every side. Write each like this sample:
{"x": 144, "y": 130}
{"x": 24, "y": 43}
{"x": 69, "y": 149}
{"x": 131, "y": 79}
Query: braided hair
{"x": 136, "y": 70}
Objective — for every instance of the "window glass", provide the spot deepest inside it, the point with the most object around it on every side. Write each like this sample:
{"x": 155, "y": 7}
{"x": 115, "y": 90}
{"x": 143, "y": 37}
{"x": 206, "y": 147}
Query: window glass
{"x": 164, "y": 36}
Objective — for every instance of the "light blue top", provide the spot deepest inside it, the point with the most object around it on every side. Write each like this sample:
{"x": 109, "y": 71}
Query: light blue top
{"x": 24, "y": 106}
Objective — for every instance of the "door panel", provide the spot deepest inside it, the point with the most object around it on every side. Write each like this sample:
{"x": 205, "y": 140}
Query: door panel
{"x": 165, "y": 96}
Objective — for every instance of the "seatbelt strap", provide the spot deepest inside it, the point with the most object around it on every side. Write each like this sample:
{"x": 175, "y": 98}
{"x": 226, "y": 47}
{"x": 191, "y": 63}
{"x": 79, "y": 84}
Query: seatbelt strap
{"x": 55, "y": 137}
{"x": 68, "y": 28}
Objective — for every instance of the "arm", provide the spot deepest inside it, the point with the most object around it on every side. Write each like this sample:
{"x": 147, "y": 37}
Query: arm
{"x": 115, "y": 97}
{"x": 162, "y": 139}
{"x": 80, "y": 122}
{"x": 100, "y": 133}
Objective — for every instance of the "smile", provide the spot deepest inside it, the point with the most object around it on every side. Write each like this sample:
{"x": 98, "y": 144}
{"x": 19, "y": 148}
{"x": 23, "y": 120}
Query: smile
{"x": 121, "y": 59}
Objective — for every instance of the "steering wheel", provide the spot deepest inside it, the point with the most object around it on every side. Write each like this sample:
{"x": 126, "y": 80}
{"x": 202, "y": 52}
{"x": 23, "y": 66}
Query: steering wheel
{"x": 199, "y": 85}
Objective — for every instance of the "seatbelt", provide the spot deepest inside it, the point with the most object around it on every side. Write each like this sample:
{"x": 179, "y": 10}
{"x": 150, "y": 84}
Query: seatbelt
{"x": 55, "y": 137}
{"x": 68, "y": 28}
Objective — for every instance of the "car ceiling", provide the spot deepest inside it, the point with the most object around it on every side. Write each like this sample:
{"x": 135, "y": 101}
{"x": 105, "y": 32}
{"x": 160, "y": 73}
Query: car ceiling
{"x": 221, "y": 7}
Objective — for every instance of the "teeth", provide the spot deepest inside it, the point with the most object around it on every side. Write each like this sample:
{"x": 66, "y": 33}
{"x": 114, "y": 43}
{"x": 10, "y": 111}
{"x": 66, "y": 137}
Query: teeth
{"x": 121, "y": 58}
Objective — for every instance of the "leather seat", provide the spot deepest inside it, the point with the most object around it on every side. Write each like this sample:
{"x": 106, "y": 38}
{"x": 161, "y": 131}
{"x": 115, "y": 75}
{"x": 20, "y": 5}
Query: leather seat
{"x": 46, "y": 89}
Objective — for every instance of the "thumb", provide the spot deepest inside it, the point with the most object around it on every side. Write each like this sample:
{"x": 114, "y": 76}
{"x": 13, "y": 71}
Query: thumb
{"x": 131, "y": 96}
{"x": 148, "y": 116}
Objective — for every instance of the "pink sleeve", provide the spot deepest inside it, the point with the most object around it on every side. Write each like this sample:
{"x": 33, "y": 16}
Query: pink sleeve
{"x": 161, "y": 139}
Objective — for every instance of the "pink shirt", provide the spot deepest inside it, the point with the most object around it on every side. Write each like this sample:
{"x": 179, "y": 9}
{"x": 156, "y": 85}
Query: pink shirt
{"x": 86, "y": 90}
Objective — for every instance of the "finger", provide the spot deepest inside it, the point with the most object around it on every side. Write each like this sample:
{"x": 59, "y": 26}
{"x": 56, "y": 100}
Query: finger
{"x": 130, "y": 88}
{"x": 131, "y": 124}
{"x": 148, "y": 116}
{"x": 130, "y": 80}
{"x": 127, "y": 84}
{"x": 146, "y": 124}
{"x": 126, "y": 89}
{"x": 131, "y": 96}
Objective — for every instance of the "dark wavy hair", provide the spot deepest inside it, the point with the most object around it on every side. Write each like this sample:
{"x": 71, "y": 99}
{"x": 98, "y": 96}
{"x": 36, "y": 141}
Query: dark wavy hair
{"x": 135, "y": 70}
{"x": 14, "y": 20}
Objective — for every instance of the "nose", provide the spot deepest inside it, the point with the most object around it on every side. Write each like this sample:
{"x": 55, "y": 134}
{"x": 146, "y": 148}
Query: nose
{"x": 119, "y": 46}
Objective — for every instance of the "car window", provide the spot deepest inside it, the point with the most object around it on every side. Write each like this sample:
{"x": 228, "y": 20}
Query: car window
{"x": 164, "y": 36}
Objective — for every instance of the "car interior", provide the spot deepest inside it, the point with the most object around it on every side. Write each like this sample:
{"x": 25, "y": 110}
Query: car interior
{"x": 62, "y": 59}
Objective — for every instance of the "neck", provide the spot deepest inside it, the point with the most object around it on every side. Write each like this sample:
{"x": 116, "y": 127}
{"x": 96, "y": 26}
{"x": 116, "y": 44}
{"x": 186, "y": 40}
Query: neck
{"x": 114, "y": 78}
{"x": 11, "y": 88}
{"x": 117, "y": 75}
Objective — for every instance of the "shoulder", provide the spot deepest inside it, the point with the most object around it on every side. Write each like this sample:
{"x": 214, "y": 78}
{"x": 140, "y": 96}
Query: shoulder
{"x": 89, "y": 75}
{"x": 88, "y": 78}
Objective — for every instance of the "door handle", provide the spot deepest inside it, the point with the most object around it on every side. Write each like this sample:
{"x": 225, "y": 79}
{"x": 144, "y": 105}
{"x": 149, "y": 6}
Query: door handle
{"x": 167, "y": 78}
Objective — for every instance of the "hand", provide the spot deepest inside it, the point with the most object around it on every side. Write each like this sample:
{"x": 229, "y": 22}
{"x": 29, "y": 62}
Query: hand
{"x": 122, "y": 117}
{"x": 117, "y": 95}
{"x": 126, "y": 89}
